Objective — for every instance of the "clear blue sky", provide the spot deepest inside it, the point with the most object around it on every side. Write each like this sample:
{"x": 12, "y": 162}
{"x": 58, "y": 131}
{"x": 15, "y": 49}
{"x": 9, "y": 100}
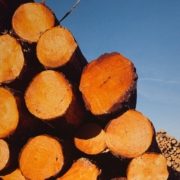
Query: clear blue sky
{"x": 148, "y": 33}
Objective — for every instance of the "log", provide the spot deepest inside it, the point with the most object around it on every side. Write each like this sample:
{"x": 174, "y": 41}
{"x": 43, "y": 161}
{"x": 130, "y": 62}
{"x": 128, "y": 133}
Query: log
{"x": 30, "y": 20}
{"x": 50, "y": 97}
{"x": 9, "y": 113}
{"x": 148, "y": 166}
{"x": 57, "y": 48}
{"x": 76, "y": 113}
{"x": 41, "y": 158}
{"x": 81, "y": 169}
{"x": 7, "y": 8}
{"x": 4, "y": 154}
{"x": 15, "y": 175}
{"x": 12, "y": 58}
{"x": 129, "y": 135}
{"x": 107, "y": 83}
{"x": 90, "y": 139}
{"x": 169, "y": 147}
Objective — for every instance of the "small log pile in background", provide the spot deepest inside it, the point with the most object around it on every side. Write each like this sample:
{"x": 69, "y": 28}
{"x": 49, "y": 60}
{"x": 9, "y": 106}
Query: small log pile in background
{"x": 64, "y": 118}
{"x": 170, "y": 148}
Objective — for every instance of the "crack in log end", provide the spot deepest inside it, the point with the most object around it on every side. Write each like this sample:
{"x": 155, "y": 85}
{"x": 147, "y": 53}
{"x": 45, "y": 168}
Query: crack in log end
{"x": 106, "y": 95}
{"x": 105, "y": 81}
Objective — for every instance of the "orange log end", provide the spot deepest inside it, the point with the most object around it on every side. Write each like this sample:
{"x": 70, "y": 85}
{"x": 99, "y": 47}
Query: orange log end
{"x": 9, "y": 115}
{"x": 41, "y": 158}
{"x": 56, "y": 47}
{"x": 90, "y": 139}
{"x": 11, "y": 58}
{"x": 4, "y": 154}
{"x": 148, "y": 166}
{"x": 130, "y": 134}
{"x": 15, "y": 175}
{"x": 49, "y": 95}
{"x": 82, "y": 169}
{"x": 30, "y": 20}
{"x": 107, "y": 82}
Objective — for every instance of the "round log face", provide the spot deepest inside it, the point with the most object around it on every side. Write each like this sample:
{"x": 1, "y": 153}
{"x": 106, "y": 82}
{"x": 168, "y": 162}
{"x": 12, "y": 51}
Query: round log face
{"x": 106, "y": 83}
{"x": 11, "y": 58}
{"x": 30, "y": 20}
{"x": 56, "y": 47}
{"x": 15, "y": 175}
{"x": 148, "y": 166}
{"x": 129, "y": 135}
{"x": 82, "y": 169}
{"x": 49, "y": 95}
{"x": 9, "y": 115}
{"x": 41, "y": 158}
{"x": 4, "y": 154}
{"x": 90, "y": 139}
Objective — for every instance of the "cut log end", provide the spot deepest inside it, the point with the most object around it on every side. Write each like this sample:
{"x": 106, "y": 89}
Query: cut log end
{"x": 11, "y": 60}
{"x": 82, "y": 169}
{"x": 90, "y": 139}
{"x": 49, "y": 95}
{"x": 56, "y": 47}
{"x": 148, "y": 166}
{"x": 15, "y": 175}
{"x": 4, "y": 154}
{"x": 107, "y": 83}
{"x": 130, "y": 134}
{"x": 41, "y": 158}
{"x": 30, "y": 20}
{"x": 8, "y": 112}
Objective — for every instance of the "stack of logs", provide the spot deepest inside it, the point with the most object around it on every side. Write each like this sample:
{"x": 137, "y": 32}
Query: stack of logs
{"x": 170, "y": 148}
{"x": 62, "y": 117}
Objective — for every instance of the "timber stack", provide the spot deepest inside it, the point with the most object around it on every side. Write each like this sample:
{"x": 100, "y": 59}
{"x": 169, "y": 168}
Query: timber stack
{"x": 64, "y": 118}
{"x": 170, "y": 148}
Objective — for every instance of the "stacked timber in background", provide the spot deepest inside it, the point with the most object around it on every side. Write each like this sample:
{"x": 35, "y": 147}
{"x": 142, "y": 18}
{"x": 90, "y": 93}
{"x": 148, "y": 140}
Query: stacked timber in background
{"x": 170, "y": 148}
{"x": 64, "y": 118}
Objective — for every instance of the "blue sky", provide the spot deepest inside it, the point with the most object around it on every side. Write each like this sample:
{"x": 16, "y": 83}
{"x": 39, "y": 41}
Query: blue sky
{"x": 146, "y": 32}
